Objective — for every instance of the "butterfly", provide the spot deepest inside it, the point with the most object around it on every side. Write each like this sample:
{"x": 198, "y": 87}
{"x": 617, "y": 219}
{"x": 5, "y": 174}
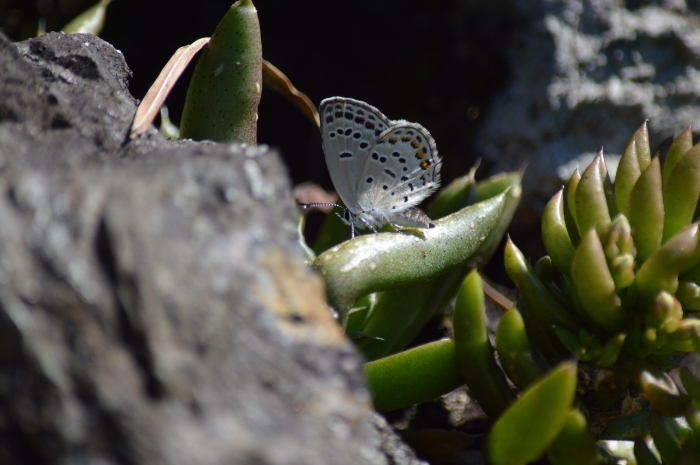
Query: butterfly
{"x": 380, "y": 168}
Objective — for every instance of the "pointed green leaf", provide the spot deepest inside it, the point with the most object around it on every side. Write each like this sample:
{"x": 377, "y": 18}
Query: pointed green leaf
{"x": 611, "y": 351}
{"x": 681, "y": 193}
{"x": 628, "y": 173}
{"x": 591, "y": 201}
{"x": 594, "y": 284}
{"x": 458, "y": 194}
{"x": 574, "y": 444}
{"x": 384, "y": 261}
{"x": 641, "y": 142}
{"x": 663, "y": 394}
{"x": 224, "y": 93}
{"x": 555, "y": 235}
{"x": 514, "y": 353}
{"x": 475, "y": 357}
{"x": 680, "y": 146}
{"x": 646, "y": 211}
{"x": 570, "y": 212}
{"x": 682, "y": 339}
{"x": 660, "y": 271}
{"x": 413, "y": 376}
{"x": 531, "y": 423}
{"x": 548, "y": 312}
{"x": 90, "y": 21}
{"x": 400, "y": 314}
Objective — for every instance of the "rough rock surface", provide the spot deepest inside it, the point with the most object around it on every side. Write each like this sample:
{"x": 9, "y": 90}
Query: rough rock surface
{"x": 586, "y": 74}
{"x": 154, "y": 303}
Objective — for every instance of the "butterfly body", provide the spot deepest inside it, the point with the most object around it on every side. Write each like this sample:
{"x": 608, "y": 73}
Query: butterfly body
{"x": 380, "y": 168}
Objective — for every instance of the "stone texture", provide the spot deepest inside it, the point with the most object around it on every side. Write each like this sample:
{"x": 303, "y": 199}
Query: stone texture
{"x": 155, "y": 306}
{"x": 586, "y": 74}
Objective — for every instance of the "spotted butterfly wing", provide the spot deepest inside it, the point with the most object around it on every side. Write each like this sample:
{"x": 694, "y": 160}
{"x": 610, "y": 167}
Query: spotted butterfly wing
{"x": 402, "y": 169}
{"x": 349, "y": 129}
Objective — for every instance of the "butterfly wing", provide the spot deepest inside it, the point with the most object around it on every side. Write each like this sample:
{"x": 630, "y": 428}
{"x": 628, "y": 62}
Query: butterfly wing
{"x": 349, "y": 129}
{"x": 402, "y": 169}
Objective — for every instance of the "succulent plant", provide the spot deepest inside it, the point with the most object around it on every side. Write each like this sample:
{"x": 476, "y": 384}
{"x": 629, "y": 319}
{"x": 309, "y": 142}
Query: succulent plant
{"x": 619, "y": 291}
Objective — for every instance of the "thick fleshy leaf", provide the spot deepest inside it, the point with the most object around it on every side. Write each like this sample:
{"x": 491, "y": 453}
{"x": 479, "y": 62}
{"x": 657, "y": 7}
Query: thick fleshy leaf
{"x": 514, "y": 353}
{"x": 570, "y": 212}
{"x": 594, "y": 284}
{"x": 413, "y": 376}
{"x": 681, "y": 193}
{"x": 548, "y": 310}
{"x": 628, "y": 173}
{"x": 664, "y": 437}
{"x": 90, "y": 21}
{"x": 646, "y": 211}
{"x": 525, "y": 431}
{"x": 660, "y": 271}
{"x": 224, "y": 93}
{"x": 555, "y": 235}
{"x": 682, "y": 339}
{"x": 591, "y": 201}
{"x": 475, "y": 357}
{"x": 664, "y": 396}
{"x": 641, "y": 142}
{"x": 400, "y": 314}
{"x": 574, "y": 444}
{"x": 678, "y": 148}
{"x": 384, "y": 261}
{"x": 458, "y": 194}
{"x": 611, "y": 351}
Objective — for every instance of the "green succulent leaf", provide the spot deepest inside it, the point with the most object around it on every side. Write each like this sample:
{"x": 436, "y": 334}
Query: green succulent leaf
{"x": 628, "y": 172}
{"x": 570, "y": 212}
{"x": 514, "y": 353}
{"x": 90, "y": 21}
{"x": 611, "y": 351}
{"x": 460, "y": 193}
{"x": 660, "y": 271}
{"x": 664, "y": 436}
{"x": 525, "y": 431}
{"x": 574, "y": 444}
{"x": 594, "y": 284}
{"x": 474, "y": 352}
{"x": 680, "y": 146}
{"x": 413, "y": 376}
{"x": 555, "y": 234}
{"x": 682, "y": 339}
{"x": 224, "y": 93}
{"x": 681, "y": 193}
{"x": 646, "y": 211}
{"x": 385, "y": 261}
{"x": 400, "y": 314}
{"x": 663, "y": 394}
{"x": 641, "y": 140}
{"x": 591, "y": 199}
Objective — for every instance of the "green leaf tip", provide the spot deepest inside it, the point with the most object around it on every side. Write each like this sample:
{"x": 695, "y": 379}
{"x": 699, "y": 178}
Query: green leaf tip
{"x": 224, "y": 93}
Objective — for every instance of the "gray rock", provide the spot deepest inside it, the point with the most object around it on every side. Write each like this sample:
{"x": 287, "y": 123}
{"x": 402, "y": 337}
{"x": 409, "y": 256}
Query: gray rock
{"x": 155, "y": 306}
{"x": 586, "y": 75}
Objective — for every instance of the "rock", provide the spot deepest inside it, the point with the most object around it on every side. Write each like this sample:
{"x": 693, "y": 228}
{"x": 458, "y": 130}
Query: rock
{"x": 586, "y": 75}
{"x": 155, "y": 306}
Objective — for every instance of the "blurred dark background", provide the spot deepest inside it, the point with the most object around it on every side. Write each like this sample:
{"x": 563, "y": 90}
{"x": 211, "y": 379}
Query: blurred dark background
{"x": 434, "y": 62}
